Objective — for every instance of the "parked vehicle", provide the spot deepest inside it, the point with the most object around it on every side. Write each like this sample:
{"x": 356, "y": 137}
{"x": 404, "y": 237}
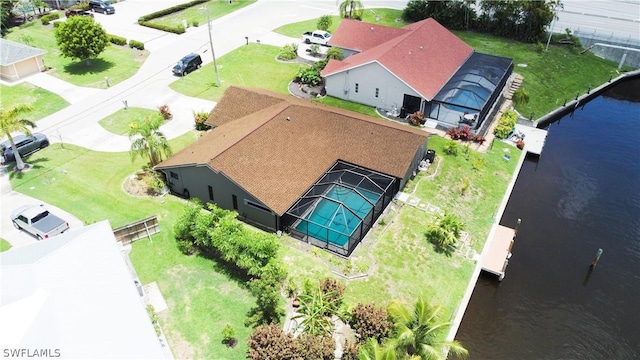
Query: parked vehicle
{"x": 38, "y": 221}
{"x": 26, "y": 145}
{"x": 101, "y": 7}
{"x": 77, "y": 12}
{"x": 317, "y": 37}
{"x": 187, "y": 64}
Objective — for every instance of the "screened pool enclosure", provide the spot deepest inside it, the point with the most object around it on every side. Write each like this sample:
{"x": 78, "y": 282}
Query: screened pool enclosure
{"x": 339, "y": 209}
{"x": 467, "y": 97}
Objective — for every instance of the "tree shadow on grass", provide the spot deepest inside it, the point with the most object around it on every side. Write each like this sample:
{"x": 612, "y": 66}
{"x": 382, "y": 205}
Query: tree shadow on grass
{"x": 230, "y": 270}
{"x": 446, "y": 250}
{"x": 96, "y": 66}
{"x": 29, "y": 166}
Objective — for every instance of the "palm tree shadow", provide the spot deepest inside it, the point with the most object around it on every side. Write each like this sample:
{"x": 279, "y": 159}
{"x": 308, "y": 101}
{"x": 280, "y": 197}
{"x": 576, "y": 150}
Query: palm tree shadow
{"x": 446, "y": 250}
{"x": 36, "y": 164}
{"x": 96, "y": 66}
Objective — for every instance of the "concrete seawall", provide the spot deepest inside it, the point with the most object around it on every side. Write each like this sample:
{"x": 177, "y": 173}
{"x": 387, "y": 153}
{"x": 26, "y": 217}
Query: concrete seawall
{"x": 570, "y": 106}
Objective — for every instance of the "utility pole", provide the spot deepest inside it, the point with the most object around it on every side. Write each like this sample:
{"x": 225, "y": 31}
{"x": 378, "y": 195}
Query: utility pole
{"x": 215, "y": 65}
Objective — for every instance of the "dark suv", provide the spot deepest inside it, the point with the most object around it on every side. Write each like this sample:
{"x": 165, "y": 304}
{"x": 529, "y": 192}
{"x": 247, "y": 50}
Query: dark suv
{"x": 101, "y": 7}
{"x": 77, "y": 12}
{"x": 187, "y": 64}
{"x": 25, "y": 144}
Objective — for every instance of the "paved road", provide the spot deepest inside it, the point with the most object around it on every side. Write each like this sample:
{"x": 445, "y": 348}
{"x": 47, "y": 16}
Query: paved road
{"x": 619, "y": 18}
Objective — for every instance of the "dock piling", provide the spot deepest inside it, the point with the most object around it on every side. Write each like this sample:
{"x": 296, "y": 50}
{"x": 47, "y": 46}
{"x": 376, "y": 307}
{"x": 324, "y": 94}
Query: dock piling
{"x": 595, "y": 259}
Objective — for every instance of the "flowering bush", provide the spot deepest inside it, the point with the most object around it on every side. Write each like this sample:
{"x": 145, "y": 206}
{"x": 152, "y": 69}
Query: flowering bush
{"x": 165, "y": 112}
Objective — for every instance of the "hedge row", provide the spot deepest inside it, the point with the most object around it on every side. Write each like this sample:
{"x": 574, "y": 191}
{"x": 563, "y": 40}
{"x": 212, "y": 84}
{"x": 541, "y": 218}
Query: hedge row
{"x": 169, "y": 10}
{"x": 118, "y": 40}
{"x": 46, "y": 19}
{"x": 179, "y": 29}
{"x": 136, "y": 44}
{"x": 505, "y": 124}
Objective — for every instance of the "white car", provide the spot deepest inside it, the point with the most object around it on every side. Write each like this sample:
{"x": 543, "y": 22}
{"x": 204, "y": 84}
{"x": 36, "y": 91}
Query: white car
{"x": 316, "y": 37}
{"x": 38, "y": 221}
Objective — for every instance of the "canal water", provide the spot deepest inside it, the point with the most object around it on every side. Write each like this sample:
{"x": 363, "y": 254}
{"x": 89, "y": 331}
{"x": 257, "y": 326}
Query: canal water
{"x": 581, "y": 195}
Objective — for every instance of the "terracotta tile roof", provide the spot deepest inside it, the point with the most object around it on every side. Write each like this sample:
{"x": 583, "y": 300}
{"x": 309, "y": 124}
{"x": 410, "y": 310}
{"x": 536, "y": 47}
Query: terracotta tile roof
{"x": 361, "y": 36}
{"x": 424, "y": 57}
{"x": 277, "y": 160}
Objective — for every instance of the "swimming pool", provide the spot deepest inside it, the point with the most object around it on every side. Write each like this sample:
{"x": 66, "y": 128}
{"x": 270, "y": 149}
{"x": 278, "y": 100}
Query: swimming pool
{"x": 467, "y": 98}
{"x": 338, "y": 214}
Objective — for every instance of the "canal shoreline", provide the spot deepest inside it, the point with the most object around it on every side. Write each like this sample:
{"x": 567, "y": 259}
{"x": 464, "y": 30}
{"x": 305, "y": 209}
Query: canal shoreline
{"x": 542, "y": 122}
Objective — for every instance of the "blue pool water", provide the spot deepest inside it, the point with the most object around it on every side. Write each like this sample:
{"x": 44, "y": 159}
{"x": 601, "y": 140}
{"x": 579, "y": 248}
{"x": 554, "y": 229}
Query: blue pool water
{"x": 467, "y": 99}
{"x": 330, "y": 221}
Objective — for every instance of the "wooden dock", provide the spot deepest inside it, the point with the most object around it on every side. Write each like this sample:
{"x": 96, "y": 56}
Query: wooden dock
{"x": 495, "y": 261}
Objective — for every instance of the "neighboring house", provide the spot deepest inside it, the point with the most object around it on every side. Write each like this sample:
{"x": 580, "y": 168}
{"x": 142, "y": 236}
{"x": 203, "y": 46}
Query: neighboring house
{"x": 420, "y": 67}
{"x": 321, "y": 173}
{"x": 19, "y": 60}
{"x": 72, "y": 296}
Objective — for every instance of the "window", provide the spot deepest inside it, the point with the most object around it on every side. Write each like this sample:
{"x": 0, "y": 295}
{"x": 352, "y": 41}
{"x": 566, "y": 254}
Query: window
{"x": 377, "y": 92}
{"x": 173, "y": 175}
{"x": 210, "y": 192}
{"x": 357, "y": 88}
{"x": 235, "y": 202}
{"x": 257, "y": 206}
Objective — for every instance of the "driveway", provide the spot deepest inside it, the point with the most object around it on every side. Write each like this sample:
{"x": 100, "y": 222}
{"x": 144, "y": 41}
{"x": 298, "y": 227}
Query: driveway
{"x": 10, "y": 200}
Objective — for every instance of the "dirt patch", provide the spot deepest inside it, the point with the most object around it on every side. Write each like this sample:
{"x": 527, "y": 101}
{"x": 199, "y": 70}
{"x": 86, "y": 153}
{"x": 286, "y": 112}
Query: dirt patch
{"x": 143, "y": 183}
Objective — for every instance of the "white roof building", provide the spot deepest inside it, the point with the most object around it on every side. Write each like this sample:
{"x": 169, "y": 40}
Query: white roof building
{"x": 73, "y": 295}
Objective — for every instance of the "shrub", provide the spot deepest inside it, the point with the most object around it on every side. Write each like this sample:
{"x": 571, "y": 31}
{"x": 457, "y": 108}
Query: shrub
{"x": 269, "y": 342}
{"x": 178, "y": 29}
{"x": 451, "y": 148}
{"x": 505, "y": 124}
{"x": 200, "y": 119}
{"x": 461, "y": 133}
{"x": 46, "y": 19}
{"x": 417, "y": 118}
{"x": 165, "y": 112}
{"x": 324, "y": 22}
{"x": 136, "y": 44}
{"x": 118, "y": 40}
{"x": 370, "y": 321}
{"x": 229, "y": 336}
{"x": 194, "y": 23}
{"x": 309, "y": 75}
{"x": 335, "y": 53}
{"x": 288, "y": 52}
{"x": 332, "y": 290}
{"x": 56, "y": 24}
{"x": 319, "y": 347}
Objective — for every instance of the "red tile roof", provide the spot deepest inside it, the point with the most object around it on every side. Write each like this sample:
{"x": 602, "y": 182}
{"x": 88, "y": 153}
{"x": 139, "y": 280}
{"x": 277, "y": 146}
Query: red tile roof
{"x": 425, "y": 56}
{"x": 277, "y": 160}
{"x": 361, "y": 36}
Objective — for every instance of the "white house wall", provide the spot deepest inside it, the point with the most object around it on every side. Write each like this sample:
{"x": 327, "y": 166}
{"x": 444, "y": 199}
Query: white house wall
{"x": 369, "y": 77}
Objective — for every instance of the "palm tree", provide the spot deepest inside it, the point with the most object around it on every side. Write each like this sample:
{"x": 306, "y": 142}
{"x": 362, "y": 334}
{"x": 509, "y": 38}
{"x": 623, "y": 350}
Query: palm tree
{"x": 418, "y": 331}
{"x": 313, "y": 310}
{"x": 351, "y": 9}
{"x": 10, "y": 122}
{"x": 445, "y": 231}
{"x": 520, "y": 97}
{"x": 147, "y": 140}
{"x": 371, "y": 350}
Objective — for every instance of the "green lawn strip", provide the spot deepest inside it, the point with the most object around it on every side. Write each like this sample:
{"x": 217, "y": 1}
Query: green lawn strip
{"x": 118, "y": 122}
{"x": 260, "y": 71}
{"x": 88, "y": 184}
{"x": 348, "y": 105}
{"x": 201, "y": 297}
{"x": 550, "y": 77}
{"x": 4, "y": 245}
{"x": 118, "y": 63}
{"x": 44, "y": 102}
{"x": 217, "y": 9}
{"x": 386, "y": 17}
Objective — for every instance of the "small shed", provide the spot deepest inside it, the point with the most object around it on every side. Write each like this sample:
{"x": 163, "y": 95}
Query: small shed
{"x": 19, "y": 60}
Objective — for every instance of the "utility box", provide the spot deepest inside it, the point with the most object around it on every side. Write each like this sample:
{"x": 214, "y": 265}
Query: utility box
{"x": 430, "y": 156}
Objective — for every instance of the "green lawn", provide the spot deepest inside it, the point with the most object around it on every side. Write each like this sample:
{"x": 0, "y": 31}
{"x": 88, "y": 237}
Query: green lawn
{"x": 386, "y": 17}
{"x": 217, "y": 9}
{"x": 44, "y": 102}
{"x": 202, "y": 298}
{"x": 550, "y": 77}
{"x": 405, "y": 264}
{"x": 118, "y": 122}
{"x": 4, "y": 245}
{"x": 118, "y": 63}
{"x": 235, "y": 69}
